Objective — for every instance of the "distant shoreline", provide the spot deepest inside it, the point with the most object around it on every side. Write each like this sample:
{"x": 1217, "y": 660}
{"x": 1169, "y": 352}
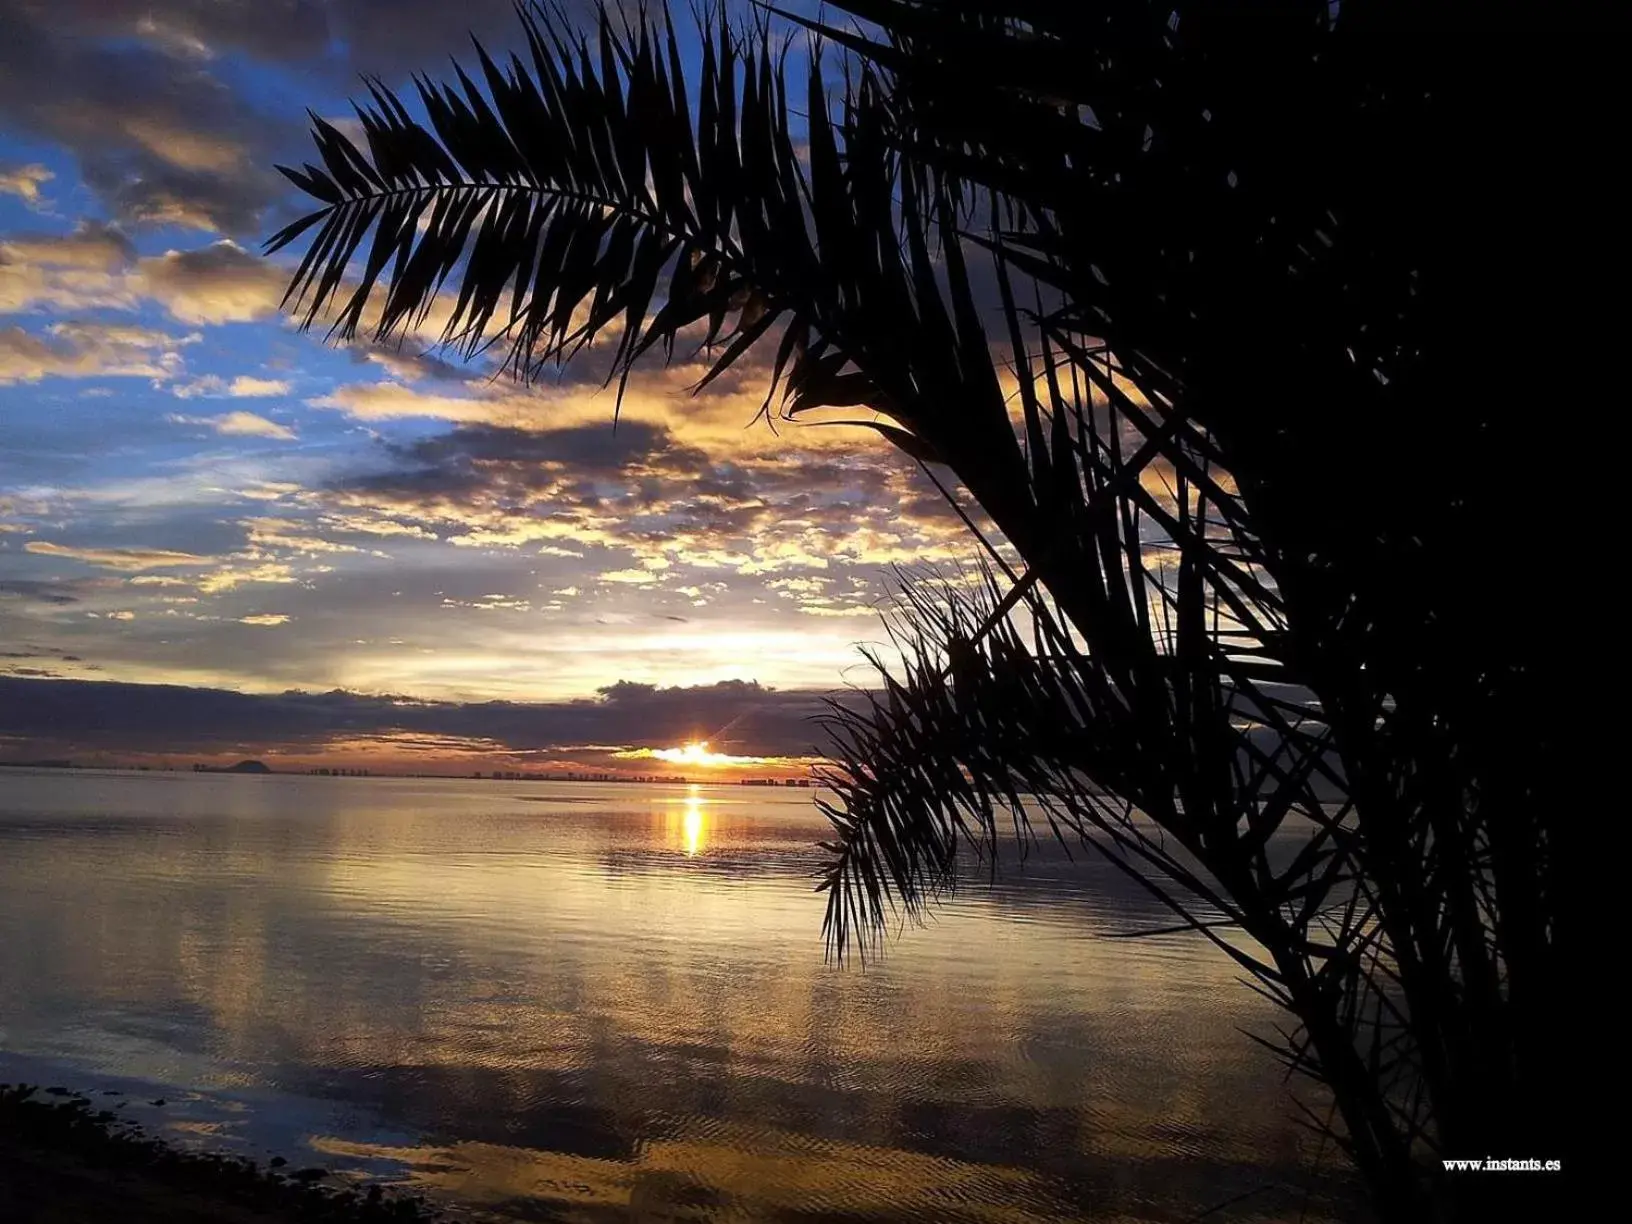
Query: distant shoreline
{"x": 475, "y": 776}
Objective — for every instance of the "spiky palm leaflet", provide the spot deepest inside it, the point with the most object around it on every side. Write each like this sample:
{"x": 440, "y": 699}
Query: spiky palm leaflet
{"x": 558, "y": 200}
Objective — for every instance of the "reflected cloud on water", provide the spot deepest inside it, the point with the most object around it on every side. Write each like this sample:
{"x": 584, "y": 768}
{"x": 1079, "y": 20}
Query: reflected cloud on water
{"x": 622, "y": 1006}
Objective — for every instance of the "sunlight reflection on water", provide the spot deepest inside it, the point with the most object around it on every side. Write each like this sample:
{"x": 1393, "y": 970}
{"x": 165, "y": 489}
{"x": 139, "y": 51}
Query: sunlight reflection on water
{"x": 610, "y": 1003}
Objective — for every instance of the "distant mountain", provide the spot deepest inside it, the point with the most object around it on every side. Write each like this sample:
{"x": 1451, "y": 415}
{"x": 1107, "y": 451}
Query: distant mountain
{"x": 256, "y": 767}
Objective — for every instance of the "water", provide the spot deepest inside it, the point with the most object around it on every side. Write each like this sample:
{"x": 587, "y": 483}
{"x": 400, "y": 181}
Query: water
{"x": 609, "y": 1003}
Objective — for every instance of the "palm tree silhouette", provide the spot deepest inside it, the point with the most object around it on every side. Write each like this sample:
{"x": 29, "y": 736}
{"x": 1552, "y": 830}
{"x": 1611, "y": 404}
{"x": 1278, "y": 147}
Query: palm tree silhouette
{"x": 1260, "y": 567}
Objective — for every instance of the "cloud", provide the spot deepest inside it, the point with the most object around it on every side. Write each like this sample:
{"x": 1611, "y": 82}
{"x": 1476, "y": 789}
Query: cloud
{"x": 118, "y": 558}
{"x": 515, "y": 490}
{"x": 264, "y": 618}
{"x": 392, "y": 401}
{"x": 29, "y": 590}
{"x": 24, "y": 182}
{"x": 96, "y": 266}
{"x": 88, "y": 350}
{"x": 237, "y": 424}
{"x": 736, "y": 717}
{"x": 730, "y": 463}
{"x": 158, "y": 137}
{"x": 541, "y": 456}
{"x": 491, "y": 487}
{"x": 334, "y": 37}
{"x": 91, "y": 246}
{"x": 365, "y": 524}
{"x": 219, "y": 283}
{"x": 232, "y": 577}
{"x": 245, "y": 386}
{"x": 34, "y": 660}
{"x": 190, "y": 31}
{"x": 288, "y": 535}
{"x": 78, "y": 271}
{"x": 248, "y": 424}
{"x": 155, "y": 101}
{"x": 409, "y": 366}
{"x": 645, "y": 489}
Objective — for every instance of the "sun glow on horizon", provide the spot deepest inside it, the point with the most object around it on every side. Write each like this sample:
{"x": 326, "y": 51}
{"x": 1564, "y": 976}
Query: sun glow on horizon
{"x": 698, "y": 753}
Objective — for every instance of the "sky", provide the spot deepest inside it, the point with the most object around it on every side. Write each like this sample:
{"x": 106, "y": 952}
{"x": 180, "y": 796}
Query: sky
{"x": 195, "y": 495}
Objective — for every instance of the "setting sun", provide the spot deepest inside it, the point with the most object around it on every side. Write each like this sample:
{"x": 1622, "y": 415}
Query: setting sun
{"x": 697, "y": 753}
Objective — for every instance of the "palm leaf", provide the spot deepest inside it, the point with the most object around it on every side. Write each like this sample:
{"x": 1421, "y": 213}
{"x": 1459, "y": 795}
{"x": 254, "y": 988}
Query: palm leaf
{"x": 1234, "y": 316}
{"x": 558, "y": 196}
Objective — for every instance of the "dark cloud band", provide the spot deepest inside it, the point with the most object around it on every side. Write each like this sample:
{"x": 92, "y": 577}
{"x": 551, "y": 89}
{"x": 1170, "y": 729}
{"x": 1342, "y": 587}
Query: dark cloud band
{"x": 42, "y": 718}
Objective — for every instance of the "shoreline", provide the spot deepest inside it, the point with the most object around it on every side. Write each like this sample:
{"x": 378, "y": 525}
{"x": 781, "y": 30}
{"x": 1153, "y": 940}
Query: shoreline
{"x": 56, "y": 767}
{"x": 63, "y": 1160}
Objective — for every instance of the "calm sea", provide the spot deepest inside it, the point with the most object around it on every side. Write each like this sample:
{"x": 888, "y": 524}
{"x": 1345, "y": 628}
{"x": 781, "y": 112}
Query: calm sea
{"x": 607, "y": 1003}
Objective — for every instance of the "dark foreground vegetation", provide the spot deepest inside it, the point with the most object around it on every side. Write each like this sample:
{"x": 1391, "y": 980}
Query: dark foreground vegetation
{"x": 1208, "y": 310}
{"x": 65, "y": 1161}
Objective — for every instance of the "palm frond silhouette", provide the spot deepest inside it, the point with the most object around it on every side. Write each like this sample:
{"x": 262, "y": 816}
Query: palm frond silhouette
{"x": 1240, "y": 429}
{"x": 589, "y": 189}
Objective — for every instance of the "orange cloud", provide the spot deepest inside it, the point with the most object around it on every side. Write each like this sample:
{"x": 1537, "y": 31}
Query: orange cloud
{"x": 118, "y": 558}
{"x": 97, "y": 267}
{"x": 236, "y": 576}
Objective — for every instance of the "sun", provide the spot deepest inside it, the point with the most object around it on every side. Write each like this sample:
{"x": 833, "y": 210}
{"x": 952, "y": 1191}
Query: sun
{"x": 694, "y": 754}
{"x": 698, "y": 753}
